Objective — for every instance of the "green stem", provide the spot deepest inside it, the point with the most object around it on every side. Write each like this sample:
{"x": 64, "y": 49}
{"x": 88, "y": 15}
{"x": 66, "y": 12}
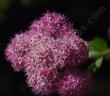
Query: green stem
{"x": 102, "y": 54}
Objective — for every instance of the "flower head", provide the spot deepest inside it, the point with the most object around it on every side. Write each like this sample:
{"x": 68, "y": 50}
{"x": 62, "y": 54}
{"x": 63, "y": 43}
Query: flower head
{"x": 74, "y": 85}
{"x": 49, "y": 51}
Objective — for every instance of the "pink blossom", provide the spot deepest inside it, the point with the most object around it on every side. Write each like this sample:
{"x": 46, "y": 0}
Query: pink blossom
{"x": 74, "y": 85}
{"x": 49, "y": 53}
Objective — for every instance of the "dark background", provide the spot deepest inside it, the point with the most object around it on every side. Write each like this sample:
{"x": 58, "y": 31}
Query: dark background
{"x": 19, "y": 18}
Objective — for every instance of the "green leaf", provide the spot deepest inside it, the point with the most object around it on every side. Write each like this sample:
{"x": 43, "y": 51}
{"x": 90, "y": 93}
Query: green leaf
{"x": 99, "y": 44}
{"x": 98, "y": 62}
{"x": 94, "y": 67}
{"x": 93, "y": 53}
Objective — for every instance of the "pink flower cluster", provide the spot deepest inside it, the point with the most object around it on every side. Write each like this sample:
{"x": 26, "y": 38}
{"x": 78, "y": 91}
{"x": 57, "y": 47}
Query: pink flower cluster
{"x": 48, "y": 53}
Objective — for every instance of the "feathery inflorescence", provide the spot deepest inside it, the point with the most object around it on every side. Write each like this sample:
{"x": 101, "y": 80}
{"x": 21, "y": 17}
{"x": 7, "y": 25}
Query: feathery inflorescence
{"x": 49, "y": 53}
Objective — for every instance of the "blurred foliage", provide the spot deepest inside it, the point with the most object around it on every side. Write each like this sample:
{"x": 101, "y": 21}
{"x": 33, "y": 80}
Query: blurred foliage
{"x": 6, "y": 4}
{"x": 94, "y": 67}
{"x": 33, "y": 3}
{"x": 99, "y": 44}
{"x": 99, "y": 51}
{"x": 26, "y": 2}
{"x": 29, "y": 3}
{"x": 2, "y": 18}
{"x": 4, "y": 7}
